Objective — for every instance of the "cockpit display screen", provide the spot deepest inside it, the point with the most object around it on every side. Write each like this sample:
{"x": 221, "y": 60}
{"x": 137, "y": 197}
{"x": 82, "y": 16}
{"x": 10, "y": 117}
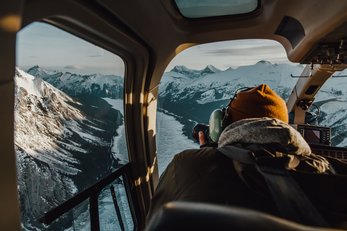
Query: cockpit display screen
{"x": 312, "y": 136}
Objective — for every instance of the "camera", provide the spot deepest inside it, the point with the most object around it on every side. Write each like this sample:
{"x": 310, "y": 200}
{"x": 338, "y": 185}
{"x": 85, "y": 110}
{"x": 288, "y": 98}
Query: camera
{"x": 201, "y": 127}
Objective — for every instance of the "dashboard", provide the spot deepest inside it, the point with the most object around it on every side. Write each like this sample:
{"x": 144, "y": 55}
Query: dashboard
{"x": 319, "y": 139}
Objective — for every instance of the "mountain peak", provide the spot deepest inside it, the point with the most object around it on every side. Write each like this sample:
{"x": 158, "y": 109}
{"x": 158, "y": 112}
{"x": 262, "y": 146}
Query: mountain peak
{"x": 37, "y": 71}
{"x": 264, "y": 62}
{"x": 36, "y": 67}
{"x": 180, "y": 69}
{"x": 210, "y": 69}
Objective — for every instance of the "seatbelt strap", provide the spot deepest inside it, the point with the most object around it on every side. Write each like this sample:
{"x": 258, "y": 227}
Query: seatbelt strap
{"x": 287, "y": 194}
{"x": 291, "y": 201}
{"x": 241, "y": 155}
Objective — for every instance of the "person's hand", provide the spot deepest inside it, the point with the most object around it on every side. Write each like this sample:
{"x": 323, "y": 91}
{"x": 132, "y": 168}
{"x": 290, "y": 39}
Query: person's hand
{"x": 202, "y": 139}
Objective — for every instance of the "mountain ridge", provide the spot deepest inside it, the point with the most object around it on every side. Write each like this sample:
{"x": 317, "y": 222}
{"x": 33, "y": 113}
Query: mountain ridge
{"x": 75, "y": 84}
{"x": 219, "y": 84}
{"x": 193, "y": 99}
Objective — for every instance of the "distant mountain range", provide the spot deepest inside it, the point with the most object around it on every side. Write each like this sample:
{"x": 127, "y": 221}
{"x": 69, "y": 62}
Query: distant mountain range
{"x": 209, "y": 69}
{"x": 110, "y": 86}
{"x": 193, "y": 94}
{"x": 212, "y": 84}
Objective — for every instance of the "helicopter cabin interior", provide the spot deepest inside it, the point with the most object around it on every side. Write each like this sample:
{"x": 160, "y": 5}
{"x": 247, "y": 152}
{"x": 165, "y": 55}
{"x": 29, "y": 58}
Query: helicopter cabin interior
{"x": 146, "y": 36}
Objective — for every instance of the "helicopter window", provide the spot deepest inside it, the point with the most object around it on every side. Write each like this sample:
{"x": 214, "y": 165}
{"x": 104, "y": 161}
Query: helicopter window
{"x": 80, "y": 216}
{"x": 205, "y": 77}
{"x": 69, "y": 125}
{"x": 210, "y": 8}
{"x": 330, "y": 108}
{"x": 114, "y": 209}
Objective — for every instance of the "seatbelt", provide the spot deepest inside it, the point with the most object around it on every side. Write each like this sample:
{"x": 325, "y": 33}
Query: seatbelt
{"x": 290, "y": 200}
{"x": 241, "y": 155}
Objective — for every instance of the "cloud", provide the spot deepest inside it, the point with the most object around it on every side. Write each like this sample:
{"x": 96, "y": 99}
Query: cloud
{"x": 243, "y": 50}
{"x": 72, "y": 67}
{"x": 94, "y": 56}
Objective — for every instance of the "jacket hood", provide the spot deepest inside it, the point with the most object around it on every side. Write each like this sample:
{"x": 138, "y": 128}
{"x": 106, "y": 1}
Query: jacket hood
{"x": 265, "y": 131}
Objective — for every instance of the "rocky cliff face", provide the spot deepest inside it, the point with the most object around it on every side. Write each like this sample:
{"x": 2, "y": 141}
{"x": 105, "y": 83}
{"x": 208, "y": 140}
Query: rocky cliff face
{"x": 62, "y": 146}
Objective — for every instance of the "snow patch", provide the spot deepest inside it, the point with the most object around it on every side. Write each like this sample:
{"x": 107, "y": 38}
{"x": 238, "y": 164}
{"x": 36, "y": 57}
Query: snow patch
{"x": 117, "y": 104}
{"x": 26, "y": 81}
{"x": 170, "y": 140}
{"x": 119, "y": 148}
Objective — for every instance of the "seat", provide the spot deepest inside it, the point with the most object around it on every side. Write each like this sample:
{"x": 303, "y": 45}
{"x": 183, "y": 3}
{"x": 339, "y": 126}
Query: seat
{"x": 202, "y": 216}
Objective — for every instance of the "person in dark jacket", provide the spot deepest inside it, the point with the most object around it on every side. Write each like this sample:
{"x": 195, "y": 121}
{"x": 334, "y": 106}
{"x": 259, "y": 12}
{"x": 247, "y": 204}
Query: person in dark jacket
{"x": 256, "y": 116}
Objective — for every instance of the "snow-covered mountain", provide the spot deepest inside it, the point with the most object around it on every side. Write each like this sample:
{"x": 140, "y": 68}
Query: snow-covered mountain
{"x": 209, "y": 69}
{"x": 212, "y": 86}
{"x": 44, "y": 114}
{"x": 110, "y": 86}
{"x": 192, "y": 96}
{"x": 332, "y": 101}
{"x": 61, "y": 147}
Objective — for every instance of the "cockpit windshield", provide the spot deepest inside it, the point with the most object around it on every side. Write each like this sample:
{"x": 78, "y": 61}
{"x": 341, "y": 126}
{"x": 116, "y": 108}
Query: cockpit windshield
{"x": 331, "y": 101}
{"x": 206, "y": 77}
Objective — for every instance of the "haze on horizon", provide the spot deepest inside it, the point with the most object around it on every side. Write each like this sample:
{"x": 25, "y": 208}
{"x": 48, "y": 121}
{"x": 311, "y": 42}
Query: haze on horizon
{"x": 54, "y": 49}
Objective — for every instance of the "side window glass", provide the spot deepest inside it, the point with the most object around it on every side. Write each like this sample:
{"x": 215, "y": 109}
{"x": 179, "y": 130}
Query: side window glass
{"x": 205, "y": 77}
{"x": 69, "y": 123}
{"x": 114, "y": 207}
{"x": 330, "y": 108}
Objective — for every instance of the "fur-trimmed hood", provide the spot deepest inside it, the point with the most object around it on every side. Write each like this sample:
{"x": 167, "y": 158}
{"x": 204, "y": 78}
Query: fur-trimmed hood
{"x": 263, "y": 131}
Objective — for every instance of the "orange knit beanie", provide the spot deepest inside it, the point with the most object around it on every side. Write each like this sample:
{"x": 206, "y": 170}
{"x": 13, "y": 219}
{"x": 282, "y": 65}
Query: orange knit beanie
{"x": 258, "y": 102}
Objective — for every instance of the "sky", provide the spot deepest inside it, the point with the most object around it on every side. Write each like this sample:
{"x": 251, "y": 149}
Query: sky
{"x": 231, "y": 54}
{"x": 51, "y": 48}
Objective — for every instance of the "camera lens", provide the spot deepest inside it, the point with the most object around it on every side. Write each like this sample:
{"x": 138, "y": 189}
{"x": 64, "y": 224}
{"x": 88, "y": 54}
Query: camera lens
{"x": 197, "y": 128}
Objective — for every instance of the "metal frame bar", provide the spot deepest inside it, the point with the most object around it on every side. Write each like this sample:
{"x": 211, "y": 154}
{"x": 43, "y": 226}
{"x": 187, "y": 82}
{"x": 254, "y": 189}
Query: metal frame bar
{"x": 94, "y": 212}
{"x": 116, "y": 207}
{"x": 92, "y": 194}
{"x": 134, "y": 203}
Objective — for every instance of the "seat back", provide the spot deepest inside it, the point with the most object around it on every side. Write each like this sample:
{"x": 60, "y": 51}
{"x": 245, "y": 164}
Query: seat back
{"x": 200, "y": 216}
